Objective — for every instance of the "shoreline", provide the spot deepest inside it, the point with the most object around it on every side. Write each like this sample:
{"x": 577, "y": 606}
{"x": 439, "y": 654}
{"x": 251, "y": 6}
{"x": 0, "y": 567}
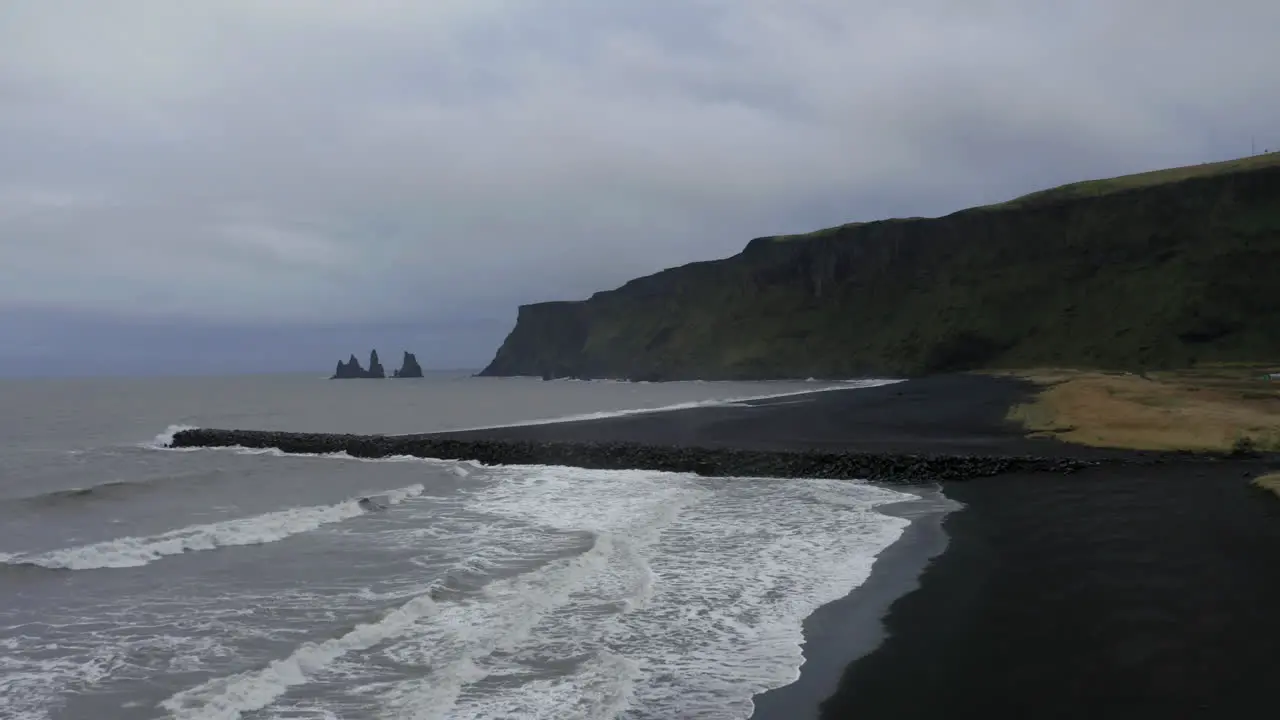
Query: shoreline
{"x": 845, "y": 630}
{"x": 704, "y": 461}
{"x": 1108, "y": 593}
{"x": 1075, "y": 580}
{"x": 834, "y": 386}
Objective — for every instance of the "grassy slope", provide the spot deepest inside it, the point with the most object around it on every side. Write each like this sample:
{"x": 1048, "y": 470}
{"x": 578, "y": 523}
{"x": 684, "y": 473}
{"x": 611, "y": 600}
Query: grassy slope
{"x": 1157, "y": 270}
{"x": 1205, "y": 409}
{"x": 1269, "y": 482}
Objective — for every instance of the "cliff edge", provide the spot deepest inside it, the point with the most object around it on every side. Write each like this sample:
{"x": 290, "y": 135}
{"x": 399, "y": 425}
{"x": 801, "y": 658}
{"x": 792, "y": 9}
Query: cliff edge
{"x": 1157, "y": 270}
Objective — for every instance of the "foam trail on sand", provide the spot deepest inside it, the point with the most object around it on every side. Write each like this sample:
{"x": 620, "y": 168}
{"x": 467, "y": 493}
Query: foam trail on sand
{"x": 255, "y": 530}
{"x": 719, "y": 402}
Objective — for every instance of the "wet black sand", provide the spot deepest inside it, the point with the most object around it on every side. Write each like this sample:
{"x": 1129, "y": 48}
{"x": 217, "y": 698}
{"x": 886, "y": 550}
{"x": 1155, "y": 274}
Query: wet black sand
{"x": 840, "y": 632}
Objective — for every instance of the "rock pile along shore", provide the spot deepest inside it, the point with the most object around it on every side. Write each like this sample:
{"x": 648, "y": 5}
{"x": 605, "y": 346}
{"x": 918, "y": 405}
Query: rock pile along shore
{"x": 713, "y": 462}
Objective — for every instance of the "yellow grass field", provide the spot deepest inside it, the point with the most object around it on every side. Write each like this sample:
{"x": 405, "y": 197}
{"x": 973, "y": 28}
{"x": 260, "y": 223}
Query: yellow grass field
{"x": 1269, "y": 482}
{"x": 1205, "y": 409}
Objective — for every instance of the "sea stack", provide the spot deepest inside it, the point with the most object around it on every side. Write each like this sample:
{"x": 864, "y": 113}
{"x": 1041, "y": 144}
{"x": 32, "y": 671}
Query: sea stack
{"x": 350, "y": 369}
{"x": 409, "y": 367}
{"x": 375, "y": 367}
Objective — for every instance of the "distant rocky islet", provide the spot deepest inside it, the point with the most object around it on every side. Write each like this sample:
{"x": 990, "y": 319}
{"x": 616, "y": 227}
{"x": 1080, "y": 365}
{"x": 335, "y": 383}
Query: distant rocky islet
{"x": 351, "y": 369}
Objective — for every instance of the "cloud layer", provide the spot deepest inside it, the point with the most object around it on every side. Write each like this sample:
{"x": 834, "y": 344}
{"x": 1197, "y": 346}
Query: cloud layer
{"x": 288, "y": 164}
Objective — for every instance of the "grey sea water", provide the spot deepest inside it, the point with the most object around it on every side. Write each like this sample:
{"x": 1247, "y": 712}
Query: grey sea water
{"x": 144, "y": 582}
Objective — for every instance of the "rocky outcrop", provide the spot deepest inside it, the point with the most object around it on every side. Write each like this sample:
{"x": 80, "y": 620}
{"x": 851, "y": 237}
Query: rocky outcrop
{"x": 349, "y": 370}
{"x": 375, "y": 367}
{"x": 409, "y": 367}
{"x": 1144, "y": 272}
{"x": 715, "y": 462}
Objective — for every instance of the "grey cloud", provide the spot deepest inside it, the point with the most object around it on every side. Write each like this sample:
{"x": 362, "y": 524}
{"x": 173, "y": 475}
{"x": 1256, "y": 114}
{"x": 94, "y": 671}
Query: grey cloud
{"x": 239, "y": 164}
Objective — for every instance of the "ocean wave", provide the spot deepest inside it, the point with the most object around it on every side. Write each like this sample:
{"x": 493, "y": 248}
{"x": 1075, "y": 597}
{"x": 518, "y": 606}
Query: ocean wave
{"x": 529, "y": 596}
{"x": 255, "y": 530}
{"x": 698, "y": 605}
{"x": 112, "y": 490}
{"x": 165, "y": 439}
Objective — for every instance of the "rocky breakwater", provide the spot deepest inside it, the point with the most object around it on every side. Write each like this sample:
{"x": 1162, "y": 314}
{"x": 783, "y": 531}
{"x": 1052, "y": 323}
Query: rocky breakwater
{"x": 712, "y": 462}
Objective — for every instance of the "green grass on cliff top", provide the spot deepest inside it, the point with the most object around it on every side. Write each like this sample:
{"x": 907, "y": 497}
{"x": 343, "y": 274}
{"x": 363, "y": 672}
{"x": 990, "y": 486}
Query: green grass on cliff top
{"x": 1094, "y": 188}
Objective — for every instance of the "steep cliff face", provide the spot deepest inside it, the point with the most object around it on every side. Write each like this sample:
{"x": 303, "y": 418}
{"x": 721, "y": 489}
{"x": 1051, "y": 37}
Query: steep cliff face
{"x": 1157, "y": 270}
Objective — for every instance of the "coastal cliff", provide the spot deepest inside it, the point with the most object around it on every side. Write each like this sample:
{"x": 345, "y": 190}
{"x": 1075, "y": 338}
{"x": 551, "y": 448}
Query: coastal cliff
{"x": 1157, "y": 270}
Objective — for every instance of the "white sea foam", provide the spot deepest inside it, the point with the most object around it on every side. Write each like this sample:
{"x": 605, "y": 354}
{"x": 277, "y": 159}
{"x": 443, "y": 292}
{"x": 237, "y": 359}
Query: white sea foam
{"x": 690, "y": 599}
{"x": 577, "y": 594}
{"x": 165, "y": 439}
{"x": 697, "y": 606}
{"x": 255, "y": 530}
{"x": 37, "y": 674}
{"x": 228, "y": 698}
{"x": 512, "y": 607}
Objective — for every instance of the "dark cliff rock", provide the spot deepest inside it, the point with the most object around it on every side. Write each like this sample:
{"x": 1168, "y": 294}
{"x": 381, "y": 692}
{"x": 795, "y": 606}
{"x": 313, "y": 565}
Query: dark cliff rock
{"x": 375, "y": 367}
{"x": 1142, "y": 272}
{"x": 409, "y": 367}
{"x": 348, "y": 370}
{"x": 351, "y": 368}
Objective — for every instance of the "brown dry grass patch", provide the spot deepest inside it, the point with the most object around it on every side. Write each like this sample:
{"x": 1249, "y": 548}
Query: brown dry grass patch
{"x": 1208, "y": 409}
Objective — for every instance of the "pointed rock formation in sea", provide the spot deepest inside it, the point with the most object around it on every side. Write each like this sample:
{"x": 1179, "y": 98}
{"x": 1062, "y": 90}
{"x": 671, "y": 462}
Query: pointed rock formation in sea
{"x": 349, "y": 369}
{"x": 409, "y": 367}
{"x": 375, "y": 367}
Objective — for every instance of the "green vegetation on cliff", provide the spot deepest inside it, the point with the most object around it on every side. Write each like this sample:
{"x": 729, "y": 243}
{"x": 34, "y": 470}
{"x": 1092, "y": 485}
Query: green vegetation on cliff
{"x": 1157, "y": 270}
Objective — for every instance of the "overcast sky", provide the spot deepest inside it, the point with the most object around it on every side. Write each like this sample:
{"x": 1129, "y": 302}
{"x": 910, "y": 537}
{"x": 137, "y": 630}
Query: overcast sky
{"x": 243, "y": 185}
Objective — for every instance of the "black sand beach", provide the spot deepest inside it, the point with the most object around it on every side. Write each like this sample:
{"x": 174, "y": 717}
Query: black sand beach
{"x": 1121, "y": 590}
{"x": 1116, "y": 592}
{"x": 1145, "y": 588}
{"x": 940, "y": 415}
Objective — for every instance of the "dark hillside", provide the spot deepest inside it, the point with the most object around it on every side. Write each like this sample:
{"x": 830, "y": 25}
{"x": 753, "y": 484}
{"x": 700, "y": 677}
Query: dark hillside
{"x": 1156, "y": 270}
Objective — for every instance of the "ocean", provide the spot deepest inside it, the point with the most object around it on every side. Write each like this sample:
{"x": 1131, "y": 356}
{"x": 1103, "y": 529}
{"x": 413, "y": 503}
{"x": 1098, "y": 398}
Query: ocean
{"x": 143, "y": 582}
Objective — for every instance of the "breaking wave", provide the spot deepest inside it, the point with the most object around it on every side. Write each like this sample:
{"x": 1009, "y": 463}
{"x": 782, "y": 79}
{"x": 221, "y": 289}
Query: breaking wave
{"x": 255, "y": 530}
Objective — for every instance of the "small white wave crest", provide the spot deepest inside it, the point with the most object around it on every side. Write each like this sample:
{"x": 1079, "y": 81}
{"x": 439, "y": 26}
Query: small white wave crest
{"x": 255, "y": 530}
{"x": 519, "y": 601}
{"x": 165, "y": 439}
